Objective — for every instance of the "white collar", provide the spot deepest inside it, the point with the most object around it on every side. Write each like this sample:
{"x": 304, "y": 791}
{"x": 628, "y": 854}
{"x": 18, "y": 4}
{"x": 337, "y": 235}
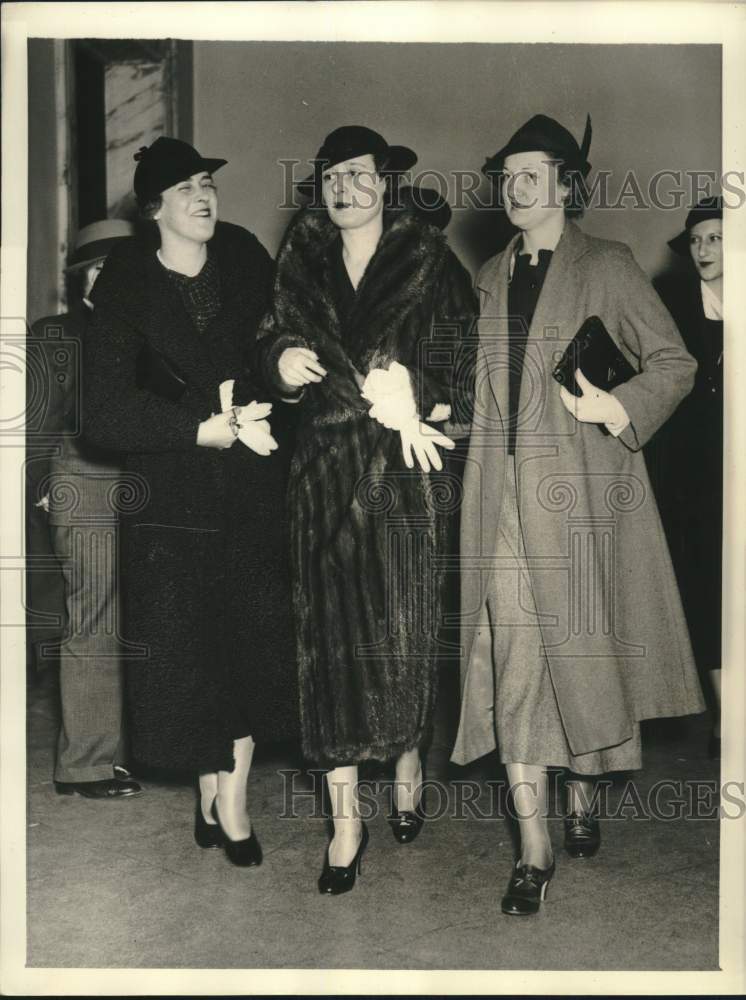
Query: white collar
{"x": 711, "y": 304}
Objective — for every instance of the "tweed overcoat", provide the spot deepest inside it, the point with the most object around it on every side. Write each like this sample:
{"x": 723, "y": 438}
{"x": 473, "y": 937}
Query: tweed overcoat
{"x": 611, "y": 622}
{"x": 206, "y": 589}
{"x": 365, "y": 530}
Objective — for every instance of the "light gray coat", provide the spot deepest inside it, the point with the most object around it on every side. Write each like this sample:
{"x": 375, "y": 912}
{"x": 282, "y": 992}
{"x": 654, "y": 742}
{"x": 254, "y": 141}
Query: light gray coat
{"x": 612, "y": 625}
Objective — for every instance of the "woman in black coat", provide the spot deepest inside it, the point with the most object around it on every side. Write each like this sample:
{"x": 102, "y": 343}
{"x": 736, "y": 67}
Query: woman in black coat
{"x": 686, "y": 458}
{"x": 359, "y": 295}
{"x": 206, "y": 595}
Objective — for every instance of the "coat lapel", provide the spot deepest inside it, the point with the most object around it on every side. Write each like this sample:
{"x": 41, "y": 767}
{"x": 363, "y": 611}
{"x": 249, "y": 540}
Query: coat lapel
{"x": 557, "y": 302}
{"x": 493, "y": 324}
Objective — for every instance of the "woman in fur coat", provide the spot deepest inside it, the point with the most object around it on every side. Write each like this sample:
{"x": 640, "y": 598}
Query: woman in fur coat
{"x": 206, "y": 595}
{"x": 368, "y": 312}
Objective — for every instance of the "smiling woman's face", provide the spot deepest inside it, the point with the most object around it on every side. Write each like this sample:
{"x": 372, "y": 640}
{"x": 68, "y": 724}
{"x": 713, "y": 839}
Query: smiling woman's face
{"x": 353, "y": 192}
{"x": 189, "y": 209}
{"x": 706, "y": 248}
{"x": 531, "y": 190}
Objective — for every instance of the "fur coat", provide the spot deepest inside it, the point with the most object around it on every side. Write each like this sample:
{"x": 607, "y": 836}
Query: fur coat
{"x": 207, "y": 633}
{"x": 365, "y": 530}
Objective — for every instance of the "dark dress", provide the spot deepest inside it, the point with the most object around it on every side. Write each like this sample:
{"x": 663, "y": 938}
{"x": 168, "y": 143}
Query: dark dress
{"x": 365, "y": 530}
{"x": 205, "y": 578}
{"x": 686, "y": 466}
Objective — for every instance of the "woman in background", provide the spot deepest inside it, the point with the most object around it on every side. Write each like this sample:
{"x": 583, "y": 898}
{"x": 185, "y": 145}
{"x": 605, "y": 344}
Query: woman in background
{"x": 363, "y": 279}
{"x": 686, "y": 458}
{"x": 206, "y": 594}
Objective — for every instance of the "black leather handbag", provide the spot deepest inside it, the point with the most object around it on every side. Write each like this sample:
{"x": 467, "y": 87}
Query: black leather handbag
{"x": 158, "y": 374}
{"x": 594, "y": 352}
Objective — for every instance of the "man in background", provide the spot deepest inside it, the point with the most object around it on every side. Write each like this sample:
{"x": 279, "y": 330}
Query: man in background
{"x": 76, "y": 488}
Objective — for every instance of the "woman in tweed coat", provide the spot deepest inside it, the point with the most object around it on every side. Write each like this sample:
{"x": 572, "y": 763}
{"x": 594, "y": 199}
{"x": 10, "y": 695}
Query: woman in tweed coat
{"x": 571, "y": 620}
{"x": 369, "y": 306}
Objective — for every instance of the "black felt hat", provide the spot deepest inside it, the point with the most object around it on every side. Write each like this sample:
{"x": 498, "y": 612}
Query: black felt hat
{"x": 350, "y": 141}
{"x": 544, "y": 134}
{"x": 166, "y": 162}
{"x": 708, "y": 208}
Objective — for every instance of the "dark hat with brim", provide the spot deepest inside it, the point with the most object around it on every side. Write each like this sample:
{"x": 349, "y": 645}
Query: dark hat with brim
{"x": 543, "y": 134}
{"x": 165, "y": 163}
{"x": 96, "y": 241}
{"x": 708, "y": 208}
{"x": 346, "y": 143}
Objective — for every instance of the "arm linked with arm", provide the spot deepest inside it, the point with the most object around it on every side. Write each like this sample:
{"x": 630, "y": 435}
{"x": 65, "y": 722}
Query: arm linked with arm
{"x": 443, "y": 372}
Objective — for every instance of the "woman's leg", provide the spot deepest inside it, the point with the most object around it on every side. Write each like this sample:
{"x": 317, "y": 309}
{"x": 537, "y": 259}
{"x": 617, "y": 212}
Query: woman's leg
{"x": 208, "y": 789}
{"x": 232, "y": 792}
{"x": 408, "y": 780}
{"x": 579, "y": 796}
{"x": 582, "y": 830}
{"x": 529, "y": 788}
{"x": 348, "y": 828}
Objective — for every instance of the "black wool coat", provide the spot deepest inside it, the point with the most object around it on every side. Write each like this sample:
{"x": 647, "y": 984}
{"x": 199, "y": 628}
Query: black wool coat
{"x": 685, "y": 460}
{"x": 365, "y": 530}
{"x": 207, "y": 621}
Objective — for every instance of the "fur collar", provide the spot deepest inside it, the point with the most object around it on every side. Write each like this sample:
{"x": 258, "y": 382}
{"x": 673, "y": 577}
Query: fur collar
{"x": 394, "y": 300}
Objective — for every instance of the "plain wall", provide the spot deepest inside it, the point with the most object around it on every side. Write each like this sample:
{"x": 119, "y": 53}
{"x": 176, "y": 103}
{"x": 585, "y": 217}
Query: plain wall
{"x": 42, "y": 285}
{"x": 653, "y": 107}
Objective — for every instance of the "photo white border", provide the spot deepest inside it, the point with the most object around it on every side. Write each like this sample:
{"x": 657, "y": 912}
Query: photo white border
{"x": 637, "y": 21}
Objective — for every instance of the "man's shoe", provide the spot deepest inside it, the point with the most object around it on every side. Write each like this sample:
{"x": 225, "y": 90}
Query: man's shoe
{"x": 108, "y": 788}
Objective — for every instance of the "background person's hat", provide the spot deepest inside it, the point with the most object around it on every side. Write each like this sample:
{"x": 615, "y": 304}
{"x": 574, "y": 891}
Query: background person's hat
{"x": 166, "y": 162}
{"x": 96, "y": 240}
{"x": 350, "y": 141}
{"x": 544, "y": 134}
{"x": 708, "y": 208}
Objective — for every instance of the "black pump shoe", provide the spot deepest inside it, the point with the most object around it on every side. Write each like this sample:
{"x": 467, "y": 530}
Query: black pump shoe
{"x": 206, "y": 834}
{"x": 582, "y": 835}
{"x": 246, "y": 853}
{"x": 406, "y": 825}
{"x": 526, "y": 890}
{"x": 336, "y": 879}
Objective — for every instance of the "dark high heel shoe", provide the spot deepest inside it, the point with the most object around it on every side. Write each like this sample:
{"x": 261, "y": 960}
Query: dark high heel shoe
{"x": 336, "y": 879}
{"x": 246, "y": 853}
{"x": 406, "y": 825}
{"x": 582, "y": 835}
{"x": 526, "y": 890}
{"x": 206, "y": 834}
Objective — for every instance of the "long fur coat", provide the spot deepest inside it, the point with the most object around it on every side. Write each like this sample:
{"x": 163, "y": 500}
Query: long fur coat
{"x": 365, "y": 530}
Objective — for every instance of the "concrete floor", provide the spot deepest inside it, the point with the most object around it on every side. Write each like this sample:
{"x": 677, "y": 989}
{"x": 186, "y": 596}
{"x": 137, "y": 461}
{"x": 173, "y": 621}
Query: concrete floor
{"x": 122, "y": 884}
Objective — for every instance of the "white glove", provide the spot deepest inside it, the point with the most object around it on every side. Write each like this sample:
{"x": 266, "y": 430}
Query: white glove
{"x": 252, "y": 429}
{"x": 422, "y": 440}
{"x": 257, "y": 436}
{"x": 390, "y": 392}
{"x": 249, "y": 423}
{"x": 595, "y": 406}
